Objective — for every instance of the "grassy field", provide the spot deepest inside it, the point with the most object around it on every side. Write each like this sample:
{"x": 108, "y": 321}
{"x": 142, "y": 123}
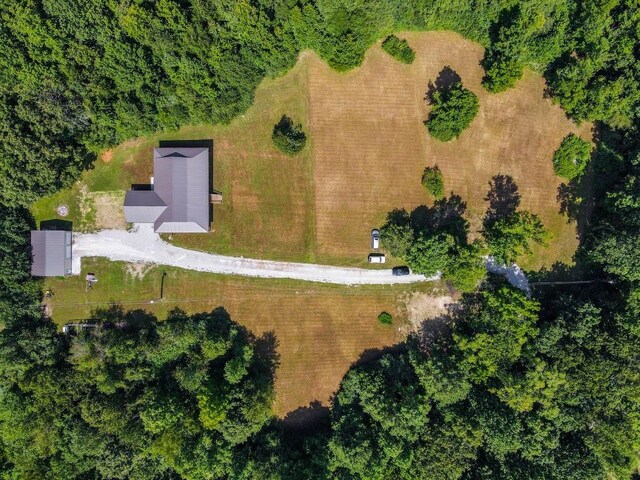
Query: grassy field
{"x": 365, "y": 155}
{"x": 321, "y": 329}
{"x": 370, "y": 145}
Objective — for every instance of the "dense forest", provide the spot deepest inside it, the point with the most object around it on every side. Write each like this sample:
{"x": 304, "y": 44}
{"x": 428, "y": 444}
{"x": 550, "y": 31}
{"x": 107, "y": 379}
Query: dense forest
{"x": 505, "y": 387}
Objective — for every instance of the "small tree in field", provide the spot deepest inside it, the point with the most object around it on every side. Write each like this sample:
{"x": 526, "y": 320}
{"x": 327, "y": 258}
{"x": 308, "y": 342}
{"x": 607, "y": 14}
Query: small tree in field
{"x": 570, "y": 160}
{"x": 385, "y": 318}
{"x": 452, "y": 112}
{"x": 432, "y": 180}
{"x": 289, "y": 138}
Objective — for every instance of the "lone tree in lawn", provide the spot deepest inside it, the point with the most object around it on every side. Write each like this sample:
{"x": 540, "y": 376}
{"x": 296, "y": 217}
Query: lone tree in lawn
{"x": 288, "y": 137}
{"x": 453, "y": 109}
{"x": 432, "y": 180}
{"x": 571, "y": 158}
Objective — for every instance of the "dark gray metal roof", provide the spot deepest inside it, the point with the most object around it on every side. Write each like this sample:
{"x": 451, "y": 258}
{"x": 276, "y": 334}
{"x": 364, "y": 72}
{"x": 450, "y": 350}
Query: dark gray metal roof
{"x": 181, "y": 180}
{"x": 51, "y": 253}
{"x": 143, "y": 206}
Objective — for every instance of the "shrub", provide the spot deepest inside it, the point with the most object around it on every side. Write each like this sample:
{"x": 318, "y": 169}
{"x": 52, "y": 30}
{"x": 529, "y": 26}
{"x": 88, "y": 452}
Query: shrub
{"x": 385, "y": 318}
{"x": 571, "y": 158}
{"x": 432, "y": 180}
{"x": 399, "y": 49}
{"x": 289, "y": 138}
{"x": 452, "y": 112}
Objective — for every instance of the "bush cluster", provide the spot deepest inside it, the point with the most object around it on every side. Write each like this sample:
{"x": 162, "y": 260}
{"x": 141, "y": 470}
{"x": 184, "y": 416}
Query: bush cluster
{"x": 571, "y": 158}
{"x": 453, "y": 110}
{"x": 433, "y": 181}
{"x": 289, "y": 138}
{"x": 399, "y": 49}
{"x": 385, "y": 318}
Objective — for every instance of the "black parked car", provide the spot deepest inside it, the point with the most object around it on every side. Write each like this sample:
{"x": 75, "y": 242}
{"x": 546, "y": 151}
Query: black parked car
{"x": 400, "y": 271}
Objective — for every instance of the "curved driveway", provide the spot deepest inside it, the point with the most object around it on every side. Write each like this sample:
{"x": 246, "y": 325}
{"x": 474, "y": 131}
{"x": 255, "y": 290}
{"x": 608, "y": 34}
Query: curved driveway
{"x": 143, "y": 245}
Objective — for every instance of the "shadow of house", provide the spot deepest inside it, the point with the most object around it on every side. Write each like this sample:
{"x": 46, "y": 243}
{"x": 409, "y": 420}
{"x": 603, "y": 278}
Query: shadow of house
{"x": 180, "y": 196}
{"x": 56, "y": 224}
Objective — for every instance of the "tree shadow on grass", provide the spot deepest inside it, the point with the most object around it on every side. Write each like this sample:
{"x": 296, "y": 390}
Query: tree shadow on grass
{"x": 371, "y": 355}
{"x": 307, "y": 419}
{"x": 503, "y": 198}
{"x": 267, "y": 356}
{"x": 444, "y": 81}
{"x": 446, "y": 214}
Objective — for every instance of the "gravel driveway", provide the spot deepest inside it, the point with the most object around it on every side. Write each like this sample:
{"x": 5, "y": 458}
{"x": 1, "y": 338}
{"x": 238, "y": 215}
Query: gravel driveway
{"x": 143, "y": 245}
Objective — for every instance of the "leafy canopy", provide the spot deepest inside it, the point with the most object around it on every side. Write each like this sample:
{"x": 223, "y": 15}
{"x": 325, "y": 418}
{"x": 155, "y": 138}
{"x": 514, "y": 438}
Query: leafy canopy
{"x": 453, "y": 110}
{"x": 289, "y": 138}
{"x": 571, "y": 158}
{"x": 433, "y": 181}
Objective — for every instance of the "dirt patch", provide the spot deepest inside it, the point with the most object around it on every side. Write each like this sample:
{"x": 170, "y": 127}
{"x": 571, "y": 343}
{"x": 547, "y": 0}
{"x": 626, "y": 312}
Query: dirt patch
{"x": 370, "y": 144}
{"x": 138, "y": 270}
{"x": 109, "y": 213}
{"x": 107, "y": 156}
{"x": 421, "y": 307}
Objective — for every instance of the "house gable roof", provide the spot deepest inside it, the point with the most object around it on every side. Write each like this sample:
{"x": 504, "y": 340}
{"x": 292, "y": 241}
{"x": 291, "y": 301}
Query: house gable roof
{"x": 181, "y": 181}
{"x": 143, "y": 206}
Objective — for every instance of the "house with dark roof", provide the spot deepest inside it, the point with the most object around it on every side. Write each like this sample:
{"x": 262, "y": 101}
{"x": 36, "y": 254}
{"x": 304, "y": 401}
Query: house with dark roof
{"x": 179, "y": 198}
{"x": 51, "y": 253}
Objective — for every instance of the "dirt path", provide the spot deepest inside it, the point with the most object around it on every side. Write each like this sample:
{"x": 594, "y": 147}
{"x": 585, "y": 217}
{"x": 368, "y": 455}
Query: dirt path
{"x": 143, "y": 245}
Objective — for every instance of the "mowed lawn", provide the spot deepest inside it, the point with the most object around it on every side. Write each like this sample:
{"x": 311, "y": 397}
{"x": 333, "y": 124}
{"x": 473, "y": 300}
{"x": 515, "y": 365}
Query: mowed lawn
{"x": 320, "y": 329}
{"x": 370, "y": 145}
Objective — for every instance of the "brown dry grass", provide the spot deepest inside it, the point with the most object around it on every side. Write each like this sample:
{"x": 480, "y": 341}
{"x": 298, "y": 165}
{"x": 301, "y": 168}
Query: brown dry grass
{"x": 370, "y": 145}
{"x": 107, "y": 156}
{"x": 321, "y": 329}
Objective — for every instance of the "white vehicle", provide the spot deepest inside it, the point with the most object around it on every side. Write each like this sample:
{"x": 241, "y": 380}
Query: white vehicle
{"x": 377, "y": 258}
{"x": 375, "y": 239}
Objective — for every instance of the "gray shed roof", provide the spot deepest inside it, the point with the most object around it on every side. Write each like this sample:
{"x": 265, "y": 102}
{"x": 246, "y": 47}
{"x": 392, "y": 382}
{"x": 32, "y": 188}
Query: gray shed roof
{"x": 143, "y": 206}
{"x": 51, "y": 253}
{"x": 182, "y": 182}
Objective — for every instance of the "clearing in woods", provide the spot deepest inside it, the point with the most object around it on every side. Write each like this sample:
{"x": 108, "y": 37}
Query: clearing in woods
{"x": 365, "y": 155}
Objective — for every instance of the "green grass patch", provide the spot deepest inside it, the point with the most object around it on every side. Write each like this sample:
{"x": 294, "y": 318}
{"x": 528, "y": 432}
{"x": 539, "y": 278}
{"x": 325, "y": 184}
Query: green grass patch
{"x": 385, "y": 318}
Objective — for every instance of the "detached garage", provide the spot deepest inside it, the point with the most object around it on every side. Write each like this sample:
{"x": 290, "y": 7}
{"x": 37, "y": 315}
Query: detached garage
{"x": 51, "y": 253}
